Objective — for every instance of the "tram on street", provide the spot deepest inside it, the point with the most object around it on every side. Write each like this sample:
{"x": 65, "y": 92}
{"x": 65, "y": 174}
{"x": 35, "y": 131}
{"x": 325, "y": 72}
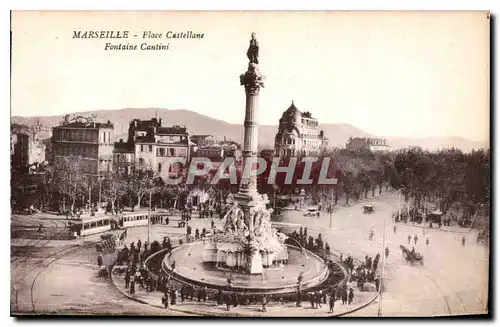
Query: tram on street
{"x": 139, "y": 219}
{"x": 133, "y": 220}
{"x": 93, "y": 225}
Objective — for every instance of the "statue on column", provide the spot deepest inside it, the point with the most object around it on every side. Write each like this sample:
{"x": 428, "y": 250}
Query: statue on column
{"x": 253, "y": 50}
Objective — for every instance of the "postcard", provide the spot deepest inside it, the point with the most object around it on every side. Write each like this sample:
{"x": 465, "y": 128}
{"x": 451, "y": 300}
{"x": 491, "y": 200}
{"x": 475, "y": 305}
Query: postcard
{"x": 250, "y": 164}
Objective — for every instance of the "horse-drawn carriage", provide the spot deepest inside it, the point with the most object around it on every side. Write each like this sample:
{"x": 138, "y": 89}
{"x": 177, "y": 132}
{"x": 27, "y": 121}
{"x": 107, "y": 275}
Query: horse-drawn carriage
{"x": 482, "y": 237}
{"x": 368, "y": 208}
{"x": 412, "y": 256}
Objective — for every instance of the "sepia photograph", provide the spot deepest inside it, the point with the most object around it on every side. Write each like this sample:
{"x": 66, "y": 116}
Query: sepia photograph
{"x": 312, "y": 164}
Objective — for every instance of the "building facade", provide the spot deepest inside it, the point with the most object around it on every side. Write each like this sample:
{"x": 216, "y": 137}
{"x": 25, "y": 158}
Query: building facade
{"x": 28, "y": 146}
{"x": 19, "y": 151}
{"x": 82, "y": 137}
{"x": 299, "y": 134}
{"x": 366, "y": 143}
{"x": 206, "y": 140}
{"x": 123, "y": 157}
{"x": 154, "y": 145}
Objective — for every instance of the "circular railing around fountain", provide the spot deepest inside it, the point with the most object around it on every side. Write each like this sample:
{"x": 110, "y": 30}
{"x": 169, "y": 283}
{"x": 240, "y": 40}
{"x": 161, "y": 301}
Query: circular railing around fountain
{"x": 325, "y": 281}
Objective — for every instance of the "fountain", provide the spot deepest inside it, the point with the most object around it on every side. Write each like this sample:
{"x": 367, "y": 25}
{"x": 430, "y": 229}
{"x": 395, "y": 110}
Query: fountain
{"x": 240, "y": 248}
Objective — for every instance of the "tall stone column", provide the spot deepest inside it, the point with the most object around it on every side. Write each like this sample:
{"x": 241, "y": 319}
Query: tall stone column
{"x": 253, "y": 81}
{"x": 248, "y": 197}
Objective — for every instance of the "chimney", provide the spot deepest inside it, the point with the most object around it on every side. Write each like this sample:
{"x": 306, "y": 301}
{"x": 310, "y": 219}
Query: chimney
{"x": 135, "y": 122}
{"x": 121, "y": 140}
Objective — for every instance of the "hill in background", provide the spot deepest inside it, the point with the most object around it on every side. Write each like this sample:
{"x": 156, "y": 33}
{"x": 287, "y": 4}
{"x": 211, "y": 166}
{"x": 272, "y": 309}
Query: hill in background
{"x": 201, "y": 124}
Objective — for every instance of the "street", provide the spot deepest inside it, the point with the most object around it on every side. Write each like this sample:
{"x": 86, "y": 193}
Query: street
{"x": 62, "y": 275}
{"x": 452, "y": 280}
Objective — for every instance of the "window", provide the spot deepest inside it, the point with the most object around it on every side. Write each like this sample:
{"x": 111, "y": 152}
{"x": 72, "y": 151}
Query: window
{"x": 142, "y": 148}
{"x": 141, "y": 161}
{"x": 150, "y": 148}
{"x": 159, "y": 167}
{"x": 162, "y": 152}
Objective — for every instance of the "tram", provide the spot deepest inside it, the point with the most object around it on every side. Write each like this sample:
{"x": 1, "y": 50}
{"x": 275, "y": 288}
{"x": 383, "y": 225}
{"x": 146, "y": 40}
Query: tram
{"x": 139, "y": 219}
{"x": 103, "y": 223}
{"x": 93, "y": 225}
{"x": 133, "y": 220}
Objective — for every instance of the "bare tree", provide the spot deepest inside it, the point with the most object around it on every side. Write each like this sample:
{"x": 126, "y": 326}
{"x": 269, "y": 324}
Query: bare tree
{"x": 142, "y": 182}
{"x": 70, "y": 179}
{"x": 47, "y": 185}
{"x": 114, "y": 187}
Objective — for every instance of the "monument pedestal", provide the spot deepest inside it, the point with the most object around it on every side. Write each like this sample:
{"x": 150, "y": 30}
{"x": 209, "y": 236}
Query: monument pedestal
{"x": 249, "y": 200}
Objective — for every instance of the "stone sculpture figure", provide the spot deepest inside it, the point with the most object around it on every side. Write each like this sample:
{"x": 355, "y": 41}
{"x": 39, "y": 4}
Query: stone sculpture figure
{"x": 253, "y": 50}
{"x": 232, "y": 218}
{"x": 241, "y": 227}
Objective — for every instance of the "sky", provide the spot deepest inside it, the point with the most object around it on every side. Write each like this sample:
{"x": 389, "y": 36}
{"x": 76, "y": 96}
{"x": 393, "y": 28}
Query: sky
{"x": 407, "y": 74}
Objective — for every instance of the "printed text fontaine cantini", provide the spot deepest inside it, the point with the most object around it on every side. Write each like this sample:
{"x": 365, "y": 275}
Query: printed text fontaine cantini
{"x": 121, "y": 38}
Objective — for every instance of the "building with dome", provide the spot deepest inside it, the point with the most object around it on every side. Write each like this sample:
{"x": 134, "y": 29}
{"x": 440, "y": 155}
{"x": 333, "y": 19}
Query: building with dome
{"x": 299, "y": 134}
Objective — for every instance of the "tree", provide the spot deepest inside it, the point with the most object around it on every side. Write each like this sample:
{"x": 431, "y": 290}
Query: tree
{"x": 47, "y": 185}
{"x": 114, "y": 187}
{"x": 69, "y": 179}
{"x": 143, "y": 181}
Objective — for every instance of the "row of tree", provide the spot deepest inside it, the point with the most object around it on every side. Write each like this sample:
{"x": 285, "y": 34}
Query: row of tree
{"x": 446, "y": 177}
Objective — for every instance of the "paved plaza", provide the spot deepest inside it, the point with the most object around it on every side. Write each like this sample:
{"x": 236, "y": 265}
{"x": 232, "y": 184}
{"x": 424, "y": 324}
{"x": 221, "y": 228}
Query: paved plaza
{"x": 62, "y": 276}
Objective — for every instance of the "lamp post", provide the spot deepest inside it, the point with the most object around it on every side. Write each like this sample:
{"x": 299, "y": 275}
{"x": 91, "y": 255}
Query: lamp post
{"x": 149, "y": 213}
{"x": 331, "y": 209}
{"x": 382, "y": 275}
{"x": 274, "y": 198}
{"x": 100, "y": 193}
{"x": 90, "y": 196}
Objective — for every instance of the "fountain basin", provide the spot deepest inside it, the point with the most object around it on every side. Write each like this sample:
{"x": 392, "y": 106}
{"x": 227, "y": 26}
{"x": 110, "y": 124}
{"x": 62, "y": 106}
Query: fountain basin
{"x": 190, "y": 268}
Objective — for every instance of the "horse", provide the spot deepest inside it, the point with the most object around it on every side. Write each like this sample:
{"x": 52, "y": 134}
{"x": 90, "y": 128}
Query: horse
{"x": 411, "y": 256}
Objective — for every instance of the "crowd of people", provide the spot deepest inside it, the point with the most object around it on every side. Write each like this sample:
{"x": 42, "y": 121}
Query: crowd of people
{"x": 153, "y": 278}
{"x": 303, "y": 240}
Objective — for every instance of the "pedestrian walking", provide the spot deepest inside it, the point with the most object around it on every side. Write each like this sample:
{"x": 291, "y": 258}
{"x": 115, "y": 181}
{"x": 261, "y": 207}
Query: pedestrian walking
{"x": 463, "y": 241}
{"x": 164, "y": 299}
{"x": 318, "y": 297}
{"x": 409, "y": 238}
{"x": 173, "y": 295}
{"x": 386, "y": 252}
{"x": 415, "y": 239}
{"x": 427, "y": 242}
{"x": 227, "y": 299}
{"x": 394, "y": 229}
{"x": 219, "y": 297}
{"x": 351, "y": 295}
{"x": 183, "y": 293}
{"x": 127, "y": 279}
{"x": 99, "y": 260}
{"x": 332, "y": 301}
{"x": 344, "y": 295}
{"x": 264, "y": 303}
{"x": 132, "y": 286}
{"x": 298, "y": 302}
{"x": 191, "y": 292}
{"x": 311, "y": 299}
{"x": 204, "y": 294}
